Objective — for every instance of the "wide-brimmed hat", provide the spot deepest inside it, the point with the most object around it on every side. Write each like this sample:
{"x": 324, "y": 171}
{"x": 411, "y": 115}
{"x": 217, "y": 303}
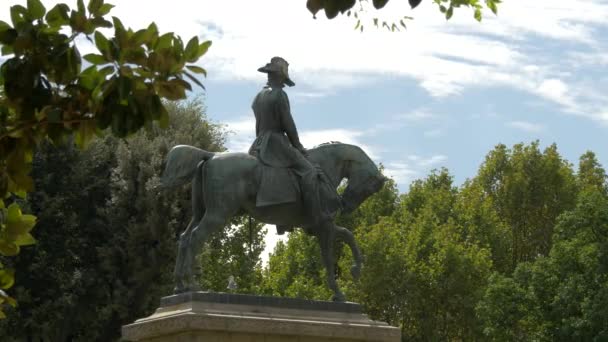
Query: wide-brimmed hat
{"x": 278, "y": 64}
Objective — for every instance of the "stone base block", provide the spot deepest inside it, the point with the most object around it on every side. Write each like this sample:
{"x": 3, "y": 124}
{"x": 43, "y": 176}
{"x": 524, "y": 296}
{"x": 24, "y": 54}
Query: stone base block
{"x": 211, "y": 317}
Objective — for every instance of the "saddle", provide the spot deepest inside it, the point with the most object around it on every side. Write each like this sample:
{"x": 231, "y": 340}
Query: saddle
{"x": 278, "y": 185}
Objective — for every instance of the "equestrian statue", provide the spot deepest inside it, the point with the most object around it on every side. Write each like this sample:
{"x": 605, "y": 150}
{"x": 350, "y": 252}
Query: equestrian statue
{"x": 278, "y": 182}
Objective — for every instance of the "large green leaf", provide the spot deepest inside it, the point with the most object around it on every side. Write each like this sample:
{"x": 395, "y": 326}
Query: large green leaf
{"x": 164, "y": 41}
{"x": 414, "y": 3}
{"x": 171, "y": 90}
{"x": 314, "y": 6}
{"x": 58, "y": 15}
{"x": 196, "y": 69}
{"x": 478, "y": 14}
{"x": 100, "y": 22}
{"x": 80, "y": 5}
{"x": 191, "y": 50}
{"x": 18, "y": 15}
{"x": 95, "y": 59}
{"x": 94, "y": 6}
{"x": 104, "y": 9}
{"x": 142, "y": 36}
{"x": 379, "y": 3}
{"x": 13, "y": 213}
{"x": 35, "y": 9}
{"x": 202, "y": 49}
{"x": 8, "y": 248}
{"x": 7, "y": 278}
{"x": 25, "y": 240}
{"x": 103, "y": 44}
{"x": 193, "y": 79}
{"x": 22, "y": 225}
{"x": 4, "y": 26}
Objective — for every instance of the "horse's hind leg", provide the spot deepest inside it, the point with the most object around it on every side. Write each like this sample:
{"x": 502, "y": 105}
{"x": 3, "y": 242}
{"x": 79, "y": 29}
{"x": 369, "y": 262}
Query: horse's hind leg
{"x": 184, "y": 249}
{"x": 210, "y": 223}
{"x": 326, "y": 235}
{"x": 346, "y": 236}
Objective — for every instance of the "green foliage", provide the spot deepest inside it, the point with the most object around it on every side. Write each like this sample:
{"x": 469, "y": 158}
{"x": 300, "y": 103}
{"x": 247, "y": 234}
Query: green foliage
{"x": 334, "y": 7}
{"x": 561, "y": 297}
{"x": 507, "y": 256}
{"x": 46, "y": 94}
{"x": 419, "y": 272}
{"x": 107, "y": 236}
{"x": 295, "y": 269}
{"x": 508, "y": 312}
{"x": 481, "y": 224}
{"x": 591, "y": 176}
{"x": 234, "y": 251}
{"x": 528, "y": 189}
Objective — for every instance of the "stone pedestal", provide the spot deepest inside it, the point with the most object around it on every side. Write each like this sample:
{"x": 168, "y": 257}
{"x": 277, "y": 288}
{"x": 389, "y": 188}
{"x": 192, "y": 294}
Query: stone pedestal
{"x": 211, "y": 317}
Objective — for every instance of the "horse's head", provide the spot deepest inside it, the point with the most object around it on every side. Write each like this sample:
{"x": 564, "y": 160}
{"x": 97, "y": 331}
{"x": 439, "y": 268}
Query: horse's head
{"x": 364, "y": 179}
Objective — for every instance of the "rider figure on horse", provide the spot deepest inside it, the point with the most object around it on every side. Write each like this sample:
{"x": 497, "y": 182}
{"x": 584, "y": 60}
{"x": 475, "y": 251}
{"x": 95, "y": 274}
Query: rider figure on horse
{"x": 277, "y": 143}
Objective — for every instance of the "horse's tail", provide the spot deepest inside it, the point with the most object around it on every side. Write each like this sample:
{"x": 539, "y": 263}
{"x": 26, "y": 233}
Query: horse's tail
{"x": 181, "y": 165}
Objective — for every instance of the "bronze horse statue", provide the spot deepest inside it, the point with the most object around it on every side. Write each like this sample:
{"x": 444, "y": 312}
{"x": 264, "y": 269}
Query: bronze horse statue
{"x": 226, "y": 184}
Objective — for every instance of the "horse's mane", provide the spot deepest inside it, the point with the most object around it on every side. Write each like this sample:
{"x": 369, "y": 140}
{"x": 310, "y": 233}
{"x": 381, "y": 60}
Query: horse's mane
{"x": 334, "y": 145}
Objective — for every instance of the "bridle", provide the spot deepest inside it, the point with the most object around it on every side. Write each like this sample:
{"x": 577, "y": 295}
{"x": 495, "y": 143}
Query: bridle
{"x": 354, "y": 192}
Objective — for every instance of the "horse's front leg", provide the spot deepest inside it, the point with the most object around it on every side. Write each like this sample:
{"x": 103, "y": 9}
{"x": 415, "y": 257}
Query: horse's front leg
{"x": 346, "y": 236}
{"x": 326, "y": 235}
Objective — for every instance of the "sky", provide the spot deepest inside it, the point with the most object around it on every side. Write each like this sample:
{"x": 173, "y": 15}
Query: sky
{"x": 439, "y": 94}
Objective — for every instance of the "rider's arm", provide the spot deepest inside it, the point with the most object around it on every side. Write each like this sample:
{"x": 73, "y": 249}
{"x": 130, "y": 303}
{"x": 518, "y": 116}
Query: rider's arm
{"x": 257, "y": 121}
{"x": 287, "y": 122}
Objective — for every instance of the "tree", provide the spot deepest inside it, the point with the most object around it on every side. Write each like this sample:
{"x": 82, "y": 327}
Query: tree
{"x": 334, "y": 7}
{"x": 234, "y": 251}
{"x": 481, "y": 224}
{"x": 46, "y": 94}
{"x": 108, "y": 236}
{"x": 295, "y": 269}
{"x": 529, "y": 189}
{"x": 561, "y": 297}
{"x": 591, "y": 175}
{"x": 420, "y": 273}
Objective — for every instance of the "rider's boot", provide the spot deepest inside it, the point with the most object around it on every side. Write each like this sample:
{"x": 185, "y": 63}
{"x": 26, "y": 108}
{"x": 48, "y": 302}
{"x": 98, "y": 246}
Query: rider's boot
{"x": 312, "y": 200}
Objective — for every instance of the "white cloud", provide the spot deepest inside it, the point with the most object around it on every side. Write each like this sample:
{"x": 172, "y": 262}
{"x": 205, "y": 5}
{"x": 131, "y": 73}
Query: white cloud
{"x": 445, "y": 58}
{"x": 241, "y": 134}
{"x": 404, "y": 172}
{"x": 305, "y": 96}
{"x": 312, "y": 138}
{"x": 527, "y": 126}
{"x": 553, "y": 89}
{"x": 603, "y": 117}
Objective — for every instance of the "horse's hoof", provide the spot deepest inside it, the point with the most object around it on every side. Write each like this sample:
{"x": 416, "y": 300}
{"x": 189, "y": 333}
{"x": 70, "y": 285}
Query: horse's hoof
{"x": 178, "y": 289}
{"x": 338, "y": 297}
{"x": 355, "y": 271}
